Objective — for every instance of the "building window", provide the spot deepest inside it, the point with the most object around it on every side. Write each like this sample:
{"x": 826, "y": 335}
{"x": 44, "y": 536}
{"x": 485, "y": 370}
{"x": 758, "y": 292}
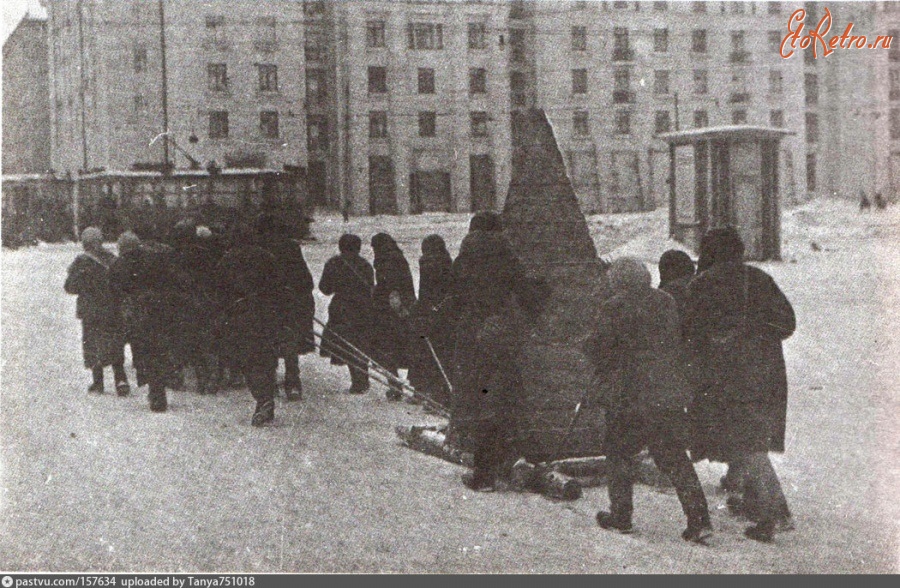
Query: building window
{"x": 776, "y": 118}
{"x": 701, "y": 81}
{"x": 427, "y": 124}
{"x": 775, "y": 38}
{"x": 268, "y": 77}
{"x": 894, "y": 51}
{"x": 739, "y": 117}
{"x": 774, "y": 7}
{"x": 426, "y": 80}
{"x": 776, "y": 82}
{"x": 811, "y": 172}
{"x": 623, "y": 122}
{"x": 620, "y": 5}
{"x": 661, "y": 40}
{"x": 812, "y": 127}
{"x": 375, "y": 34}
{"x": 378, "y": 124}
{"x": 579, "y": 81}
{"x": 662, "y": 122}
{"x": 622, "y": 86}
{"x": 518, "y": 45}
{"x": 377, "y": 79}
{"x": 621, "y": 46}
{"x": 894, "y": 84}
{"x": 140, "y": 103}
{"x": 660, "y": 6}
{"x": 739, "y": 53}
{"x": 215, "y": 27}
{"x": 316, "y": 87}
{"x": 140, "y": 59}
{"x": 518, "y": 87}
{"x": 218, "y": 124}
{"x": 478, "y": 124}
{"x": 580, "y": 123}
{"x": 698, "y": 6}
{"x": 477, "y": 35}
{"x": 811, "y": 85}
{"x": 701, "y": 119}
{"x": 316, "y": 133}
{"x": 315, "y": 47}
{"x": 477, "y": 80}
{"x": 425, "y": 35}
{"x": 661, "y": 82}
{"x": 579, "y": 38}
{"x": 895, "y": 124}
{"x": 267, "y": 30}
{"x": 314, "y": 7}
{"x": 698, "y": 40}
{"x": 268, "y": 124}
{"x": 217, "y": 76}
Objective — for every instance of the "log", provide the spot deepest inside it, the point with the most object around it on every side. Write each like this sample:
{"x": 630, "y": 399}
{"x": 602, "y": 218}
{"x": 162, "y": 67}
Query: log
{"x": 432, "y": 440}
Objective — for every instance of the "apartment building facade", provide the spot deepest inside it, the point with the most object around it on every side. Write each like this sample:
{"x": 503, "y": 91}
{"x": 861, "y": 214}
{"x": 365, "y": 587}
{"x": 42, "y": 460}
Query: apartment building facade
{"x": 404, "y": 107}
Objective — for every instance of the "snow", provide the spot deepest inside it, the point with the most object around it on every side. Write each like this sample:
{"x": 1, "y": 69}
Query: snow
{"x": 94, "y": 483}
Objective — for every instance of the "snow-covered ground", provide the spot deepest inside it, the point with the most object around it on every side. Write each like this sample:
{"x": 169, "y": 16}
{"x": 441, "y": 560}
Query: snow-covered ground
{"x": 100, "y": 483}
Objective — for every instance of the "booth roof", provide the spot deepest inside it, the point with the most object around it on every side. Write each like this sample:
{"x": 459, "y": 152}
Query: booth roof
{"x": 732, "y": 132}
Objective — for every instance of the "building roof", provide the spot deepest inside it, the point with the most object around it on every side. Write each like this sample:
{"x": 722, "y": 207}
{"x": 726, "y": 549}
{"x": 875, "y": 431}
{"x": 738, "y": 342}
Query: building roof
{"x": 740, "y": 132}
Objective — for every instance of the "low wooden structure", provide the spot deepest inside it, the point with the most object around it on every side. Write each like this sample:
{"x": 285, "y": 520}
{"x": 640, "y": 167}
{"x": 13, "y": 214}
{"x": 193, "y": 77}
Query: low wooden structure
{"x": 36, "y": 207}
{"x": 722, "y": 176}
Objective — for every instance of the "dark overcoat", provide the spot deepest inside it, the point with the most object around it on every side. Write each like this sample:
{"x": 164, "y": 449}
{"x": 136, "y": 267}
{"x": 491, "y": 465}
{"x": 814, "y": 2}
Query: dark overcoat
{"x": 487, "y": 282}
{"x": 350, "y": 279}
{"x": 639, "y": 356}
{"x": 735, "y": 320}
{"x": 158, "y": 308}
{"x": 98, "y": 308}
{"x": 293, "y": 273}
{"x": 392, "y": 329}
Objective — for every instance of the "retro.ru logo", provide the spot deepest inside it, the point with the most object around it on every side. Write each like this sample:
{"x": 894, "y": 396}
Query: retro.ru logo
{"x": 816, "y": 36}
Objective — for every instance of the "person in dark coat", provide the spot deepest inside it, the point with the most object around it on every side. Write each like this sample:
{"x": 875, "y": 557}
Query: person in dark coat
{"x": 102, "y": 331}
{"x": 291, "y": 273}
{"x": 157, "y": 306}
{"x": 350, "y": 279}
{"x": 430, "y": 320}
{"x": 638, "y": 354}
{"x": 489, "y": 294}
{"x": 676, "y": 270}
{"x": 392, "y": 299}
{"x": 256, "y": 327}
{"x": 735, "y": 320}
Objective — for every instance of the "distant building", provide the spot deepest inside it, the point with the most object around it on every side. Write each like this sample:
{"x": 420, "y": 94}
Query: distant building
{"x": 26, "y": 99}
{"x": 404, "y": 106}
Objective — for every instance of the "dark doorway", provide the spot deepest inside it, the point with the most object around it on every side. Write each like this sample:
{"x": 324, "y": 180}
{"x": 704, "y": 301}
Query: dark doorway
{"x": 318, "y": 183}
{"x": 482, "y": 187}
{"x": 382, "y": 187}
{"x": 430, "y": 192}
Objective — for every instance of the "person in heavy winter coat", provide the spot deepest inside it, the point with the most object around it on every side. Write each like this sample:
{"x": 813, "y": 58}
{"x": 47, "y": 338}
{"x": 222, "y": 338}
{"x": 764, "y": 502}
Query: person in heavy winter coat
{"x": 157, "y": 306}
{"x": 392, "y": 299}
{"x": 351, "y": 280}
{"x": 291, "y": 273}
{"x": 491, "y": 298}
{"x": 100, "y": 312}
{"x": 735, "y": 320}
{"x": 676, "y": 270}
{"x": 256, "y": 326}
{"x": 432, "y": 330}
{"x": 637, "y": 352}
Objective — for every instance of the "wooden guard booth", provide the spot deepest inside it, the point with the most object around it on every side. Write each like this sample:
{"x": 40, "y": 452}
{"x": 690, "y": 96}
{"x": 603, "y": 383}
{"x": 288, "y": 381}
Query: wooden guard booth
{"x": 727, "y": 175}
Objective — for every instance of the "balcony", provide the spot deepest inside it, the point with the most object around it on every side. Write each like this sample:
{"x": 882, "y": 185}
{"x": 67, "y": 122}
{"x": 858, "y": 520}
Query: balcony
{"x": 623, "y": 55}
{"x": 217, "y": 44}
{"x": 623, "y": 97}
{"x": 739, "y": 98}
{"x": 740, "y": 57}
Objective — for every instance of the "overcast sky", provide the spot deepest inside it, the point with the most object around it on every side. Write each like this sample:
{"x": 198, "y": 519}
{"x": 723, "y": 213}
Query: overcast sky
{"x": 14, "y": 10}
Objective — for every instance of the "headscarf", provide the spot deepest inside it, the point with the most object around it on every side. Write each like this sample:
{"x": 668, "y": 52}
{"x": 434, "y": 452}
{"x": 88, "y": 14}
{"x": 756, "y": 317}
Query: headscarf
{"x": 486, "y": 221}
{"x": 204, "y": 232}
{"x": 128, "y": 242}
{"x": 629, "y": 274}
{"x": 349, "y": 244}
{"x": 434, "y": 246}
{"x": 720, "y": 246}
{"x": 383, "y": 244}
{"x": 674, "y": 265}
{"x": 91, "y": 238}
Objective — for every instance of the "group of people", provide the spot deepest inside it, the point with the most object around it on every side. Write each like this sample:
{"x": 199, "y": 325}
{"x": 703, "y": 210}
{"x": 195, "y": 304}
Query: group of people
{"x": 691, "y": 370}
